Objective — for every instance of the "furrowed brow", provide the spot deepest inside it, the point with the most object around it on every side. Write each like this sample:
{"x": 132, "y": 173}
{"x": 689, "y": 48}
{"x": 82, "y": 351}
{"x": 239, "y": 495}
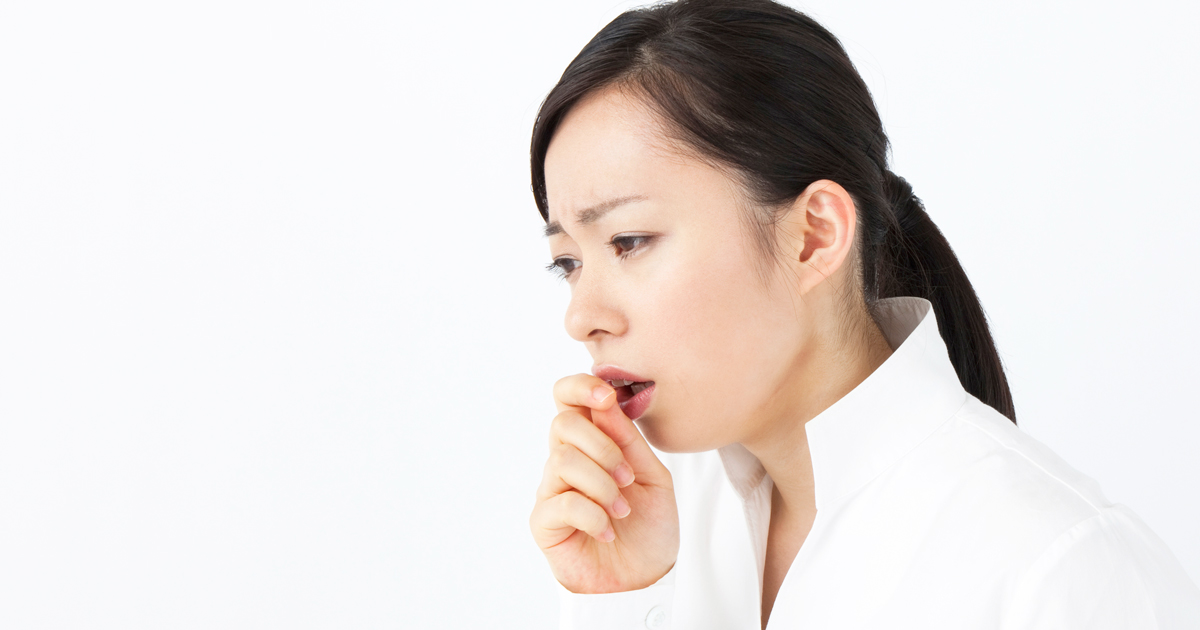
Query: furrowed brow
{"x": 590, "y": 215}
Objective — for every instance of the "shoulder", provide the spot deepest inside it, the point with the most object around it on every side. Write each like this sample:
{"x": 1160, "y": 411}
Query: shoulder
{"x": 1082, "y": 561}
{"x": 1027, "y": 464}
{"x": 1108, "y": 571}
{"x": 979, "y": 467}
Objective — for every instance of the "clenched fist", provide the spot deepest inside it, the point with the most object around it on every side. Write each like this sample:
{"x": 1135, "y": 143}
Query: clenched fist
{"x": 605, "y": 515}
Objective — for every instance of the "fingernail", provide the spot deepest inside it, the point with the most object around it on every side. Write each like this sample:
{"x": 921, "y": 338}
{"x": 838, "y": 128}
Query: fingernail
{"x": 601, "y": 393}
{"x": 609, "y": 535}
{"x": 623, "y": 475}
{"x": 621, "y": 507}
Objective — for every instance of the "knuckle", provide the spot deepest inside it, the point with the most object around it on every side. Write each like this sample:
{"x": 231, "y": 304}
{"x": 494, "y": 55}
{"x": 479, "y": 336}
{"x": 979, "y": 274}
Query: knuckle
{"x": 563, "y": 385}
{"x": 562, "y": 455}
{"x": 569, "y": 504}
{"x": 542, "y": 516}
{"x": 609, "y": 494}
{"x": 545, "y": 489}
{"x": 583, "y": 513}
{"x": 598, "y": 521}
{"x": 610, "y": 453}
{"x": 603, "y": 488}
{"x": 565, "y": 421}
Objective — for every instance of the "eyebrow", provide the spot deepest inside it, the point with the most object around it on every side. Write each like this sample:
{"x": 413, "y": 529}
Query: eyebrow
{"x": 591, "y": 215}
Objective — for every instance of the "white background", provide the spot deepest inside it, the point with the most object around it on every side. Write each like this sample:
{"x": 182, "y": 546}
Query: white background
{"x": 275, "y": 344}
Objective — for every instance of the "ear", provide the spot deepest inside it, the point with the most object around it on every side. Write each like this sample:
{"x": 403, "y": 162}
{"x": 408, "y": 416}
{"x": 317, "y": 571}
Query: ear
{"x": 820, "y": 230}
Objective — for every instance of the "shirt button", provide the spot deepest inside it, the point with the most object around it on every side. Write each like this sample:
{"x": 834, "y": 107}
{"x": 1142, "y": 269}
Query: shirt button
{"x": 656, "y": 619}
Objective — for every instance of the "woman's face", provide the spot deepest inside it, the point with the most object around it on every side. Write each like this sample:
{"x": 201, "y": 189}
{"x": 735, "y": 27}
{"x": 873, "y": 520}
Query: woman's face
{"x": 667, "y": 284}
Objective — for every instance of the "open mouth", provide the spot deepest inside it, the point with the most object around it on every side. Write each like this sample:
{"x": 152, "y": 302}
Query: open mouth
{"x": 629, "y": 389}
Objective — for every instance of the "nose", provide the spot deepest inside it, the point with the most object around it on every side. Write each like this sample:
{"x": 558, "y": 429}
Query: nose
{"x": 593, "y": 313}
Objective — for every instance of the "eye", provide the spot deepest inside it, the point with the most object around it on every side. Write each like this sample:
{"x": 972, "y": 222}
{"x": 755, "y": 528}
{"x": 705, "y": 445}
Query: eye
{"x": 563, "y": 266}
{"x": 625, "y": 244}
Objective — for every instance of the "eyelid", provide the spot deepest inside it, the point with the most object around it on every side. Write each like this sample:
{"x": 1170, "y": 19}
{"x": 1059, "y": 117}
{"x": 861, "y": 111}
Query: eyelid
{"x": 641, "y": 240}
{"x": 555, "y": 267}
{"x": 617, "y": 243}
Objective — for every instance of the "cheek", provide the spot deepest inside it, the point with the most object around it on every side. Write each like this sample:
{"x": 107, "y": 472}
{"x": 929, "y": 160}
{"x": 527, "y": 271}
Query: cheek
{"x": 721, "y": 339}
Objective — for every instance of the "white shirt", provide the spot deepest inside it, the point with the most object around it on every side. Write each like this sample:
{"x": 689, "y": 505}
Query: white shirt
{"x": 933, "y": 511}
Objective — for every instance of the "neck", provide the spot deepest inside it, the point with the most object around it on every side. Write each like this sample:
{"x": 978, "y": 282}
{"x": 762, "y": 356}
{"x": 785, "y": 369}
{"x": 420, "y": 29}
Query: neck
{"x": 828, "y": 373}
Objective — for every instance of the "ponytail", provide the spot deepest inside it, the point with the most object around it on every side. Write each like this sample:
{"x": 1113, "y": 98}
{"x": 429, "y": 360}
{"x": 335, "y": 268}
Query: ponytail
{"x": 915, "y": 259}
{"x": 764, "y": 89}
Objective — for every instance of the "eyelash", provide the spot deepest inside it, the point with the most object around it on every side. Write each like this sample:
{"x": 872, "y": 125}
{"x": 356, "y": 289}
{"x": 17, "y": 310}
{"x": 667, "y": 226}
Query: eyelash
{"x": 628, "y": 243}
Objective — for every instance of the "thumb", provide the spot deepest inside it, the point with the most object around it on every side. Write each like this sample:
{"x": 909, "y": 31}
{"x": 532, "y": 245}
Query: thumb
{"x": 647, "y": 468}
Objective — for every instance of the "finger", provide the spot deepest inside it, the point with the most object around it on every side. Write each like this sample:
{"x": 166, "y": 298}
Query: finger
{"x": 556, "y": 518}
{"x": 583, "y": 390}
{"x": 646, "y": 466}
{"x": 569, "y": 469}
{"x": 572, "y": 427}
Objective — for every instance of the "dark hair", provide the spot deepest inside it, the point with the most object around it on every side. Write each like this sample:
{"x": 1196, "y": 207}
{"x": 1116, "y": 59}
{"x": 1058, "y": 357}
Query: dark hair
{"x": 765, "y": 90}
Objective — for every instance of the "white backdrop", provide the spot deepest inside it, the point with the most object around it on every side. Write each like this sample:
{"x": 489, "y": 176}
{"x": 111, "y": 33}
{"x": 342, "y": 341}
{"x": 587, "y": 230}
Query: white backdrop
{"x": 276, "y": 348}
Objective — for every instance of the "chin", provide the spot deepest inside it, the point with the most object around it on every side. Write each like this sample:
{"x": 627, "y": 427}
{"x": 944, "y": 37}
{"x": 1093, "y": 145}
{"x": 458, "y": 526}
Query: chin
{"x": 667, "y": 437}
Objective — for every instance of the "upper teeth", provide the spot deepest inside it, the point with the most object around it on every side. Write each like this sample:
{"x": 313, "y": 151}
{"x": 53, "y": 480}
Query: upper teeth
{"x": 637, "y": 386}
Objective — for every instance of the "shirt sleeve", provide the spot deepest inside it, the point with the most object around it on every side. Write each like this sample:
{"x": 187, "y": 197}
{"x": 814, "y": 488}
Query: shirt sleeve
{"x": 1109, "y": 572}
{"x": 644, "y": 609}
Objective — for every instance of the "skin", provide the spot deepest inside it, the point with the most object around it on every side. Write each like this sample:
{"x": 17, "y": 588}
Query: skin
{"x": 671, "y": 286}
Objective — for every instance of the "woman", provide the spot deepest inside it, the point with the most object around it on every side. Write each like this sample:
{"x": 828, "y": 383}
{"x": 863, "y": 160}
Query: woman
{"x": 787, "y": 326}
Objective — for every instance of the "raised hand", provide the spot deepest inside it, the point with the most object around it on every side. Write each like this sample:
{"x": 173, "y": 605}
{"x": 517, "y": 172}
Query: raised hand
{"x": 605, "y": 515}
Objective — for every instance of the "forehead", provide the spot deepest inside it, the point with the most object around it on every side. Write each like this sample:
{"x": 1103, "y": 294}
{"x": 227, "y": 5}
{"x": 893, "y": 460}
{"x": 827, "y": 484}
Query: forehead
{"x": 609, "y": 145}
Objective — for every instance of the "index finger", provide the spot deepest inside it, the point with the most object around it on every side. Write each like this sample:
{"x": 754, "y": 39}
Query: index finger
{"x": 587, "y": 391}
{"x": 583, "y": 390}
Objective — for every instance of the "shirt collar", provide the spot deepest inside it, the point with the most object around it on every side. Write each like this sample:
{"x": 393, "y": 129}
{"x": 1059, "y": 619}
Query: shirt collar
{"x": 900, "y": 404}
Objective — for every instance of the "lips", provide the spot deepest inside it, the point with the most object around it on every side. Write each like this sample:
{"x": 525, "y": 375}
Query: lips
{"x": 637, "y": 404}
{"x": 634, "y": 392}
